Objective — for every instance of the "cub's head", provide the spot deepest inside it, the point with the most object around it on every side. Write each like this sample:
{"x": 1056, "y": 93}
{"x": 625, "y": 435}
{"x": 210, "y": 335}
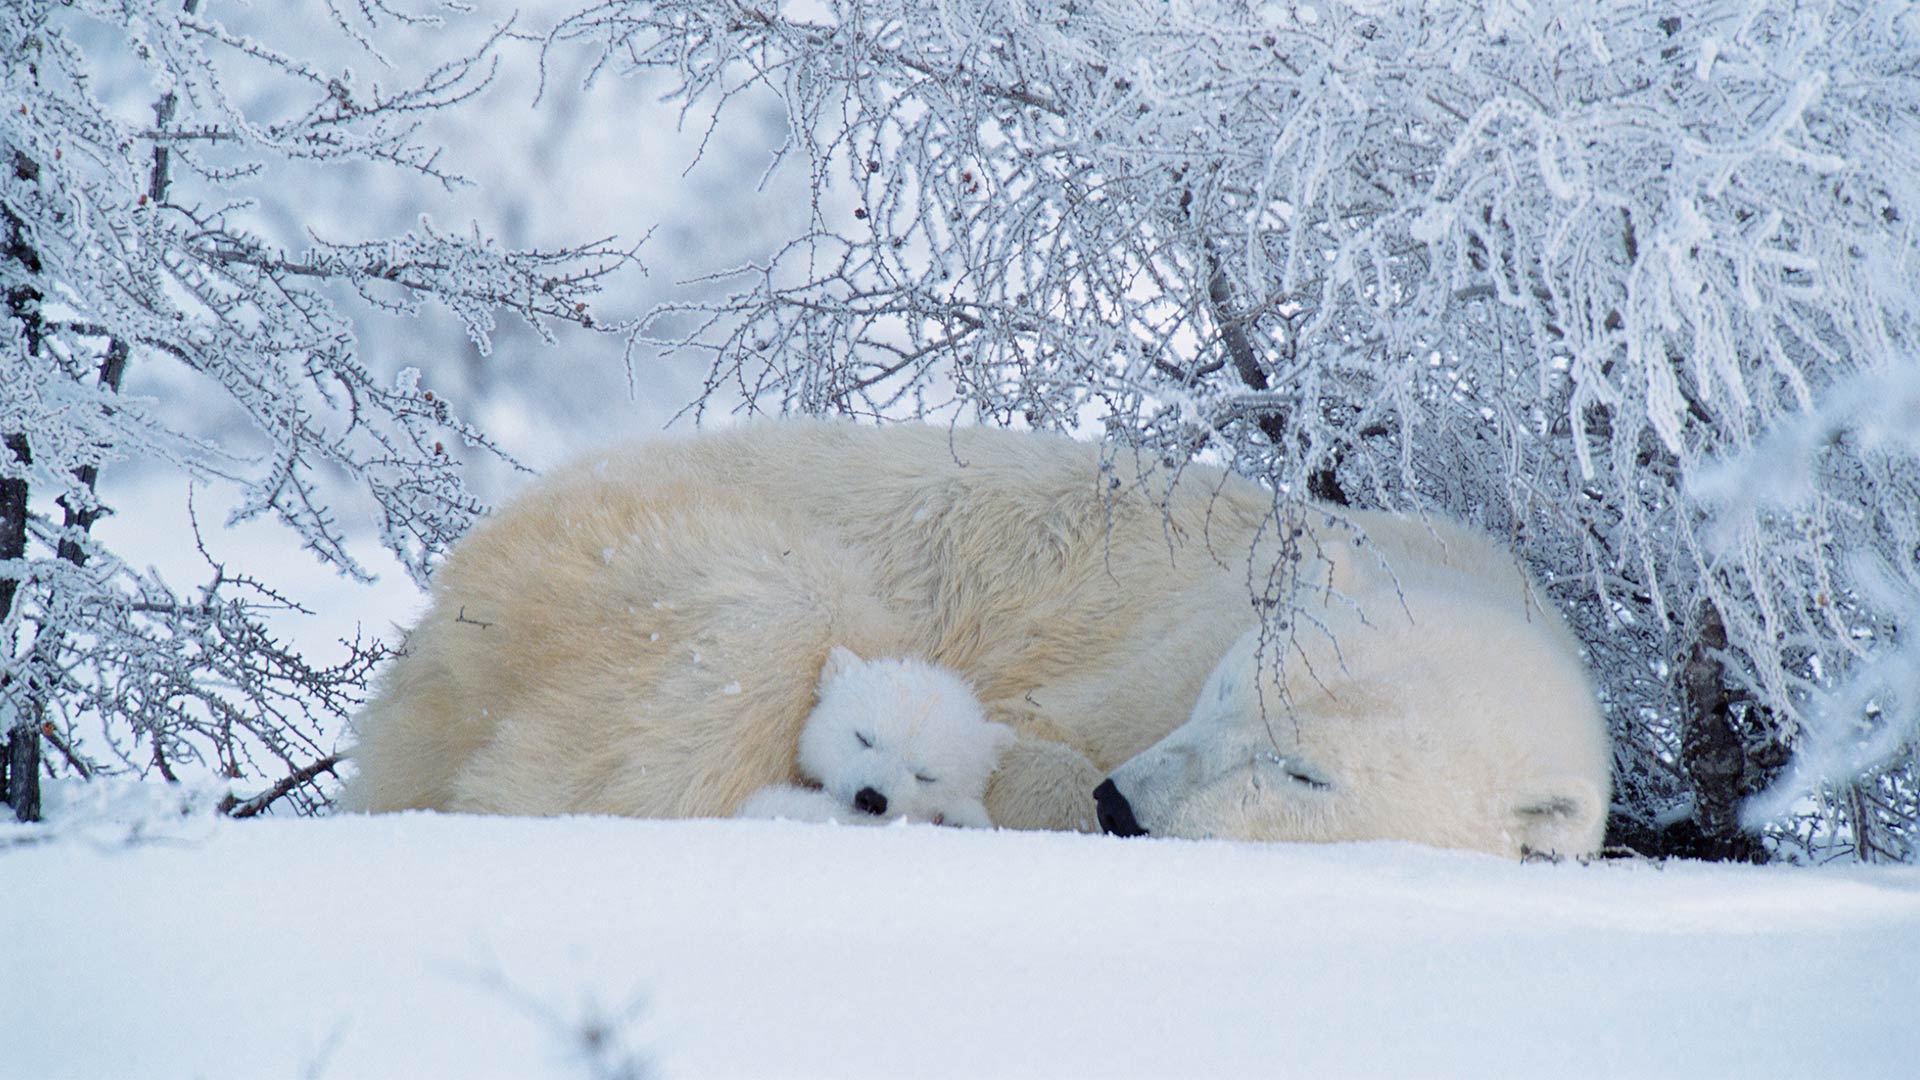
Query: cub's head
{"x": 901, "y": 738}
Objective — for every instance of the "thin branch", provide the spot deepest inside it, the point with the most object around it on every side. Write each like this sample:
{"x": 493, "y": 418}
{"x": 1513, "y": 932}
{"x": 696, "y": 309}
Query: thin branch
{"x": 246, "y": 808}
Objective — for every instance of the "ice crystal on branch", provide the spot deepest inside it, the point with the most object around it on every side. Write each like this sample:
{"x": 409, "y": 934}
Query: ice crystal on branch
{"x": 1537, "y": 265}
{"x": 121, "y": 246}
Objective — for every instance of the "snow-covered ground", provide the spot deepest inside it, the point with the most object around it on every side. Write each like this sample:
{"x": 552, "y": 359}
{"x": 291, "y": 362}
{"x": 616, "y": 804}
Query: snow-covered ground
{"x": 444, "y": 946}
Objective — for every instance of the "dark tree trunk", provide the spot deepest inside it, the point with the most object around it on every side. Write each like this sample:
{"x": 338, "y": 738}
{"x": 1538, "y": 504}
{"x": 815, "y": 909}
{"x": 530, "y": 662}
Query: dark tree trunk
{"x": 79, "y": 520}
{"x": 22, "y": 772}
{"x": 1729, "y": 749}
{"x": 20, "y": 745}
{"x": 13, "y": 518}
{"x": 1711, "y": 749}
{"x": 1323, "y": 483}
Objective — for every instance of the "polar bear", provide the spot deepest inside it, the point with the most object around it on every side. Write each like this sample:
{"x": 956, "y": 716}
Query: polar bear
{"x": 654, "y": 657}
{"x": 891, "y": 739}
{"x": 640, "y": 634}
{"x": 1427, "y": 674}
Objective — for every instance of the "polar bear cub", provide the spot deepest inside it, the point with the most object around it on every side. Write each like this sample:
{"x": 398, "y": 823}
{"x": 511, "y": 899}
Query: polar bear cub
{"x": 890, "y": 739}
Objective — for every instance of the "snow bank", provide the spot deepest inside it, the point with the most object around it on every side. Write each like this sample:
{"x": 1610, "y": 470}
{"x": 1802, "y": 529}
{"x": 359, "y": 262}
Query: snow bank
{"x": 425, "y": 945}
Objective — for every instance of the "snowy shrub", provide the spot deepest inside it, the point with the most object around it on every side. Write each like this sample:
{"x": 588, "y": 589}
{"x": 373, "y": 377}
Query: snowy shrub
{"x": 1633, "y": 288}
{"x": 123, "y": 244}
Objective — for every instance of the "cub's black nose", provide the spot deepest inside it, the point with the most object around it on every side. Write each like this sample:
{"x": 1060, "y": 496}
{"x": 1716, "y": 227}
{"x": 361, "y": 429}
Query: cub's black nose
{"x": 869, "y": 801}
{"x": 1115, "y": 813}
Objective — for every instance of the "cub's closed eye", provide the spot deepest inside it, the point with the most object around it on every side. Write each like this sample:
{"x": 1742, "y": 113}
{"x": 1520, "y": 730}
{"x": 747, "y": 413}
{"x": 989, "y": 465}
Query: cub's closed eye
{"x": 864, "y": 740}
{"x": 923, "y": 778}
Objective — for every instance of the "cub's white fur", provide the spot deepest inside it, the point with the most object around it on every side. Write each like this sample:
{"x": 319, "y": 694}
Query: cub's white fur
{"x": 890, "y": 739}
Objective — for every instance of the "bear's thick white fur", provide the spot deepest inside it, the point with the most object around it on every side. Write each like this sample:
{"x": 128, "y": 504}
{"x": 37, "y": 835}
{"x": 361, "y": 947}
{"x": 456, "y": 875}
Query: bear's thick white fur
{"x": 1426, "y": 677}
{"x": 641, "y": 633}
{"x": 890, "y": 739}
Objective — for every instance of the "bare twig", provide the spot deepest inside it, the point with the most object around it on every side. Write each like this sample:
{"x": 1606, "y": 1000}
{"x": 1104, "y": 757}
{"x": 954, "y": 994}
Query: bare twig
{"x": 246, "y": 808}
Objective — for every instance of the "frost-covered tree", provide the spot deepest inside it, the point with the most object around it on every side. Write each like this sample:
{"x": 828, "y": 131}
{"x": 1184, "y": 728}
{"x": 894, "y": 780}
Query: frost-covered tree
{"x": 122, "y": 244}
{"x": 1631, "y": 286}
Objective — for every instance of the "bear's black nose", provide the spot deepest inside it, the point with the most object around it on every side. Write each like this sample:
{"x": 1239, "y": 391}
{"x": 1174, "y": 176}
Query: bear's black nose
{"x": 869, "y": 801}
{"x": 1115, "y": 813}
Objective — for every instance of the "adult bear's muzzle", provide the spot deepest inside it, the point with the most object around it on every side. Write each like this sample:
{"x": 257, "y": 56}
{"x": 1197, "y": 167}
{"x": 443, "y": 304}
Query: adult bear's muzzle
{"x": 1115, "y": 813}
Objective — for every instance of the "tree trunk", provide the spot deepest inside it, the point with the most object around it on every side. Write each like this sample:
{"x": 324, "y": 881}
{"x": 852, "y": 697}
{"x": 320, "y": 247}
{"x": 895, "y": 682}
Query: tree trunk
{"x": 1323, "y": 483}
{"x": 1724, "y": 759}
{"x": 22, "y": 771}
{"x": 20, "y": 748}
{"x": 20, "y": 744}
{"x": 1711, "y": 749}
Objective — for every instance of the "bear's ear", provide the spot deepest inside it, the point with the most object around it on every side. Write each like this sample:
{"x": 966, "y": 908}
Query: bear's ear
{"x": 1225, "y": 685}
{"x": 1566, "y": 818}
{"x": 840, "y": 660}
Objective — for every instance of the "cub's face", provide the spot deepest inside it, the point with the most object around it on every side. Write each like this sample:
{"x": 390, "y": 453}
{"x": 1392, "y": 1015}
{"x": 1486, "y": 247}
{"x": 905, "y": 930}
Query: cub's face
{"x": 901, "y": 738}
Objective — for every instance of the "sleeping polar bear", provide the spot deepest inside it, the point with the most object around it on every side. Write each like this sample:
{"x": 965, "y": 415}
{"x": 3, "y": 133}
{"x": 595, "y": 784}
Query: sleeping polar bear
{"x": 641, "y": 634}
{"x": 892, "y": 739}
{"x": 1425, "y": 668}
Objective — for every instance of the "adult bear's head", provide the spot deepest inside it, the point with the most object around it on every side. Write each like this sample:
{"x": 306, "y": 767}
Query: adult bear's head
{"x": 1425, "y": 695}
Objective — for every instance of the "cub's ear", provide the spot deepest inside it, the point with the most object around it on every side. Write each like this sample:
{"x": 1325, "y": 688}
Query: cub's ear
{"x": 840, "y": 661}
{"x": 1001, "y": 736}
